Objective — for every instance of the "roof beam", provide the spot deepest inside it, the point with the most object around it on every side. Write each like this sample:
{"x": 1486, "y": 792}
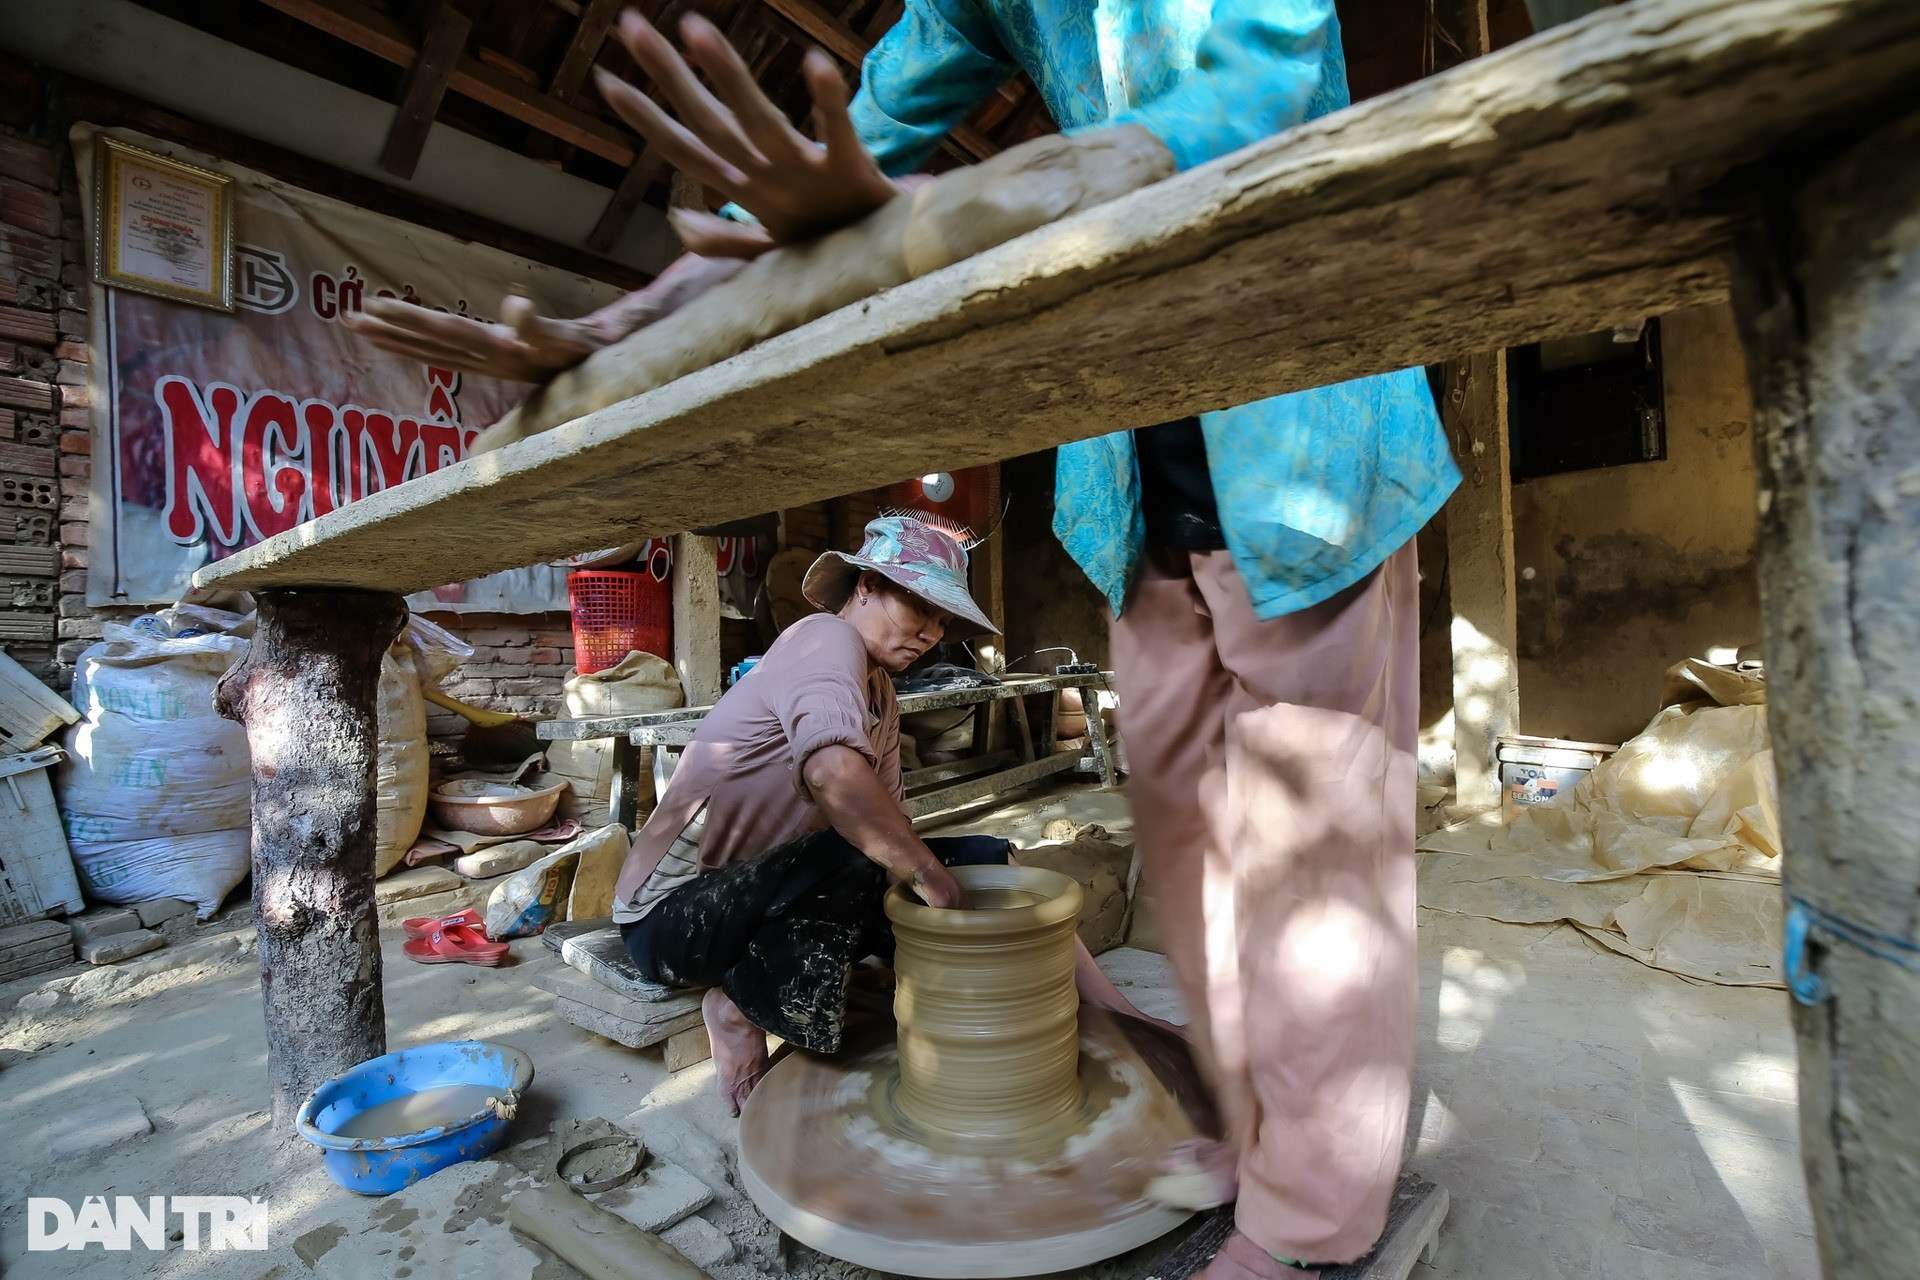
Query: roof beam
{"x": 626, "y": 199}
{"x": 425, "y": 86}
{"x": 824, "y": 29}
{"x": 595, "y": 22}
{"x": 376, "y": 33}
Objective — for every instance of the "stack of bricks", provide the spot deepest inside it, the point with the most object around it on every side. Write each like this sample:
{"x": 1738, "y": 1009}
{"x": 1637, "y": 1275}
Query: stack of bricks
{"x": 44, "y": 441}
{"x": 839, "y": 523}
{"x": 518, "y": 665}
{"x": 805, "y": 527}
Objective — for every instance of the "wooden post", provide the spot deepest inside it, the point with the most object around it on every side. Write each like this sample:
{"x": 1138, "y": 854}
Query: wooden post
{"x": 1456, "y": 32}
{"x": 1827, "y": 293}
{"x": 696, "y": 618}
{"x": 1486, "y": 675}
{"x": 424, "y": 89}
{"x": 987, "y": 584}
{"x": 305, "y": 691}
{"x": 1486, "y": 678}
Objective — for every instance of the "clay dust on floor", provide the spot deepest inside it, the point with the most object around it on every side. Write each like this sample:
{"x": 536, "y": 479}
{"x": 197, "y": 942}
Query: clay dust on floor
{"x": 1591, "y": 1117}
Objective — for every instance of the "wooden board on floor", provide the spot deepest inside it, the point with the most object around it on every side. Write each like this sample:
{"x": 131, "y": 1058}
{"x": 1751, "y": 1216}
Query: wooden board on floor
{"x": 1590, "y": 175}
{"x": 1413, "y": 1230}
{"x": 688, "y": 1048}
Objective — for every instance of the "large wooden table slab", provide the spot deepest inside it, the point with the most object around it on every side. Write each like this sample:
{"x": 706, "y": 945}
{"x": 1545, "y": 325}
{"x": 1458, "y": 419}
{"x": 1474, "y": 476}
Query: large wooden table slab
{"x": 1586, "y": 176}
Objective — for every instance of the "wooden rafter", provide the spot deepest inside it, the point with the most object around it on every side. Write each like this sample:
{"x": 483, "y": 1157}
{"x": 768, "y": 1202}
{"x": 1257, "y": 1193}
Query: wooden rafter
{"x": 595, "y": 22}
{"x": 626, "y": 199}
{"x": 375, "y": 32}
{"x": 824, "y": 29}
{"x": 423, "y": 90}
{"x": 558, "y": 105}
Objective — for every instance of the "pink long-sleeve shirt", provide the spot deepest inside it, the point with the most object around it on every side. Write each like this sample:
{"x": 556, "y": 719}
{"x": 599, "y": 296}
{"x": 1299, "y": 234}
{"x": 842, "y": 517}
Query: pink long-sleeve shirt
{"x": 745, "y": 766}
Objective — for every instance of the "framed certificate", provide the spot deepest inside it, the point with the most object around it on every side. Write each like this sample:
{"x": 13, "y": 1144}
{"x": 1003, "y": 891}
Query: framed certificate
{"x": 161, "y": 226}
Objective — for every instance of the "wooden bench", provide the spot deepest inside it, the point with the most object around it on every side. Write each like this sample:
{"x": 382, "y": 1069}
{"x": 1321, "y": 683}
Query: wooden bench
{"x": 931, "y": 790}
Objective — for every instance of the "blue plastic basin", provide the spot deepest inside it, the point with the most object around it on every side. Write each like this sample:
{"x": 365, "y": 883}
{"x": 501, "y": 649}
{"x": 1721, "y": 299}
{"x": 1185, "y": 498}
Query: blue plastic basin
{"x": 382, "y": 1165}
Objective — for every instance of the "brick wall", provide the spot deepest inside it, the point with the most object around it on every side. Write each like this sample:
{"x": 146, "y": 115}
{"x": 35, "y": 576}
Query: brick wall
{"x": 45, "y": 446}
{"x": 518, "y": 664}
{"x": 805, "y": 526}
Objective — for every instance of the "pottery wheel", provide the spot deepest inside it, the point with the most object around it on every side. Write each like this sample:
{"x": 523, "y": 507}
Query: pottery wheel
{"x": 826, "y": 1153}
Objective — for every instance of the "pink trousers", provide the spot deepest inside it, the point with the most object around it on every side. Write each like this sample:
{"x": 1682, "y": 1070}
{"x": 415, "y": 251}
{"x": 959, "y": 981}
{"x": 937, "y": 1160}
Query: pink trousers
{"x": 1272, "y": 779}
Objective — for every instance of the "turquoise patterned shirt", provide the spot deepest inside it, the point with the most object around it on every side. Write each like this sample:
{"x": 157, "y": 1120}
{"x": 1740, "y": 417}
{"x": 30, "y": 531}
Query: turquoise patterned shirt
{"x": 1315, "y": 489}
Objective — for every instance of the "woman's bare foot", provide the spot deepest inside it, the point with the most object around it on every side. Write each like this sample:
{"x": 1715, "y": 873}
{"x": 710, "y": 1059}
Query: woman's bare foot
{"x": 1199, "y": 1173}
{"x": 739, "y": 1048}
{"x": 1241, "y": 1259}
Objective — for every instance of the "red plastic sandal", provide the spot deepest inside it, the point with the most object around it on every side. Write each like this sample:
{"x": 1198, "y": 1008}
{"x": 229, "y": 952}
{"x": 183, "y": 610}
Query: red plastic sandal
{"x": 456, "y": 944}
{"x": 423, "y": 926}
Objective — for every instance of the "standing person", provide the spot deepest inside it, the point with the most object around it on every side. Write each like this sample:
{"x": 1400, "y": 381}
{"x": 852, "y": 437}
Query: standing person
{"x": 1259, "y": 562}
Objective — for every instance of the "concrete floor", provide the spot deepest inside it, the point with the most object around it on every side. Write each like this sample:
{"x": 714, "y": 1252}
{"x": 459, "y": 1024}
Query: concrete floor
{"x": 1591, "y": 1117}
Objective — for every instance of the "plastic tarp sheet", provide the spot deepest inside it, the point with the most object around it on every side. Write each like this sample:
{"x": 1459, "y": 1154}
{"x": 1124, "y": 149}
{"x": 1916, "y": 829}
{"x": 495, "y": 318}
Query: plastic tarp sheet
{"x": 1668, "y": 852}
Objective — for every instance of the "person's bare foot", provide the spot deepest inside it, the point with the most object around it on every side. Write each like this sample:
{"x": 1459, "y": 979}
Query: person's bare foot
{"x": 1241, "y": 1259}
{"x": 1199, "y": 1173}
{"x": 739, "y": 1048}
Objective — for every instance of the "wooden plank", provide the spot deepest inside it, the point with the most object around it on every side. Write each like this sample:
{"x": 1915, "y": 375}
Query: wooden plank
{"x": 973, "y": 142}
{"x": 687, "y": 1048}
{"x": 826, "y": 30}
{"x": 696, "y": 618}
{"x": 595, "y": 22}
{"x": 935, "y": 700}
{"x": 937, "y": 773}
{"x": 1457, "y": 31}
{"x": 423, "y": 89}
{"x": 1484, "y": 633}
{"x": 377, "y": 33}
{"x": 992, "y": 784}
{"x": 1413, "y": 1227}
{"x": 1590, "y": 175}
{"x": 626, "y": 198}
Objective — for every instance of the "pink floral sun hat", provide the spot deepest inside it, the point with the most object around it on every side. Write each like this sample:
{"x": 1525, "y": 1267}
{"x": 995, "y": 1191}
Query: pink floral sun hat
{"x": 924, "y": 558}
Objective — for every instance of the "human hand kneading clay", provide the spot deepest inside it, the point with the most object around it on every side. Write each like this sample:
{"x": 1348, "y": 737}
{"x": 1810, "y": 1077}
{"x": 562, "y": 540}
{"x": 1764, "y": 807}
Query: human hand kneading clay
{"x": 525, "y": 346}
{"x": 735, "y": 141}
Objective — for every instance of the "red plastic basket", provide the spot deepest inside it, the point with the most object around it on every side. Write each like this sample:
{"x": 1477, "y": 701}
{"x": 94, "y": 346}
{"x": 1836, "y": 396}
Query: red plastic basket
{"x": 616, "y": 613}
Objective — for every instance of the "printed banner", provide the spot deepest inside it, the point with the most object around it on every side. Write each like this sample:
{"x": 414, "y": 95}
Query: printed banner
{"x": 213, "y": 431}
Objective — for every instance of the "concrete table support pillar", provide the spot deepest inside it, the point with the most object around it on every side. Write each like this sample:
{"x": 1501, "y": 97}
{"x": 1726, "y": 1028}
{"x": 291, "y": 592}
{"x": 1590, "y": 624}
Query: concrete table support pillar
{"x": 1827, "y": 293}
{"x": 306, "y": 693}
